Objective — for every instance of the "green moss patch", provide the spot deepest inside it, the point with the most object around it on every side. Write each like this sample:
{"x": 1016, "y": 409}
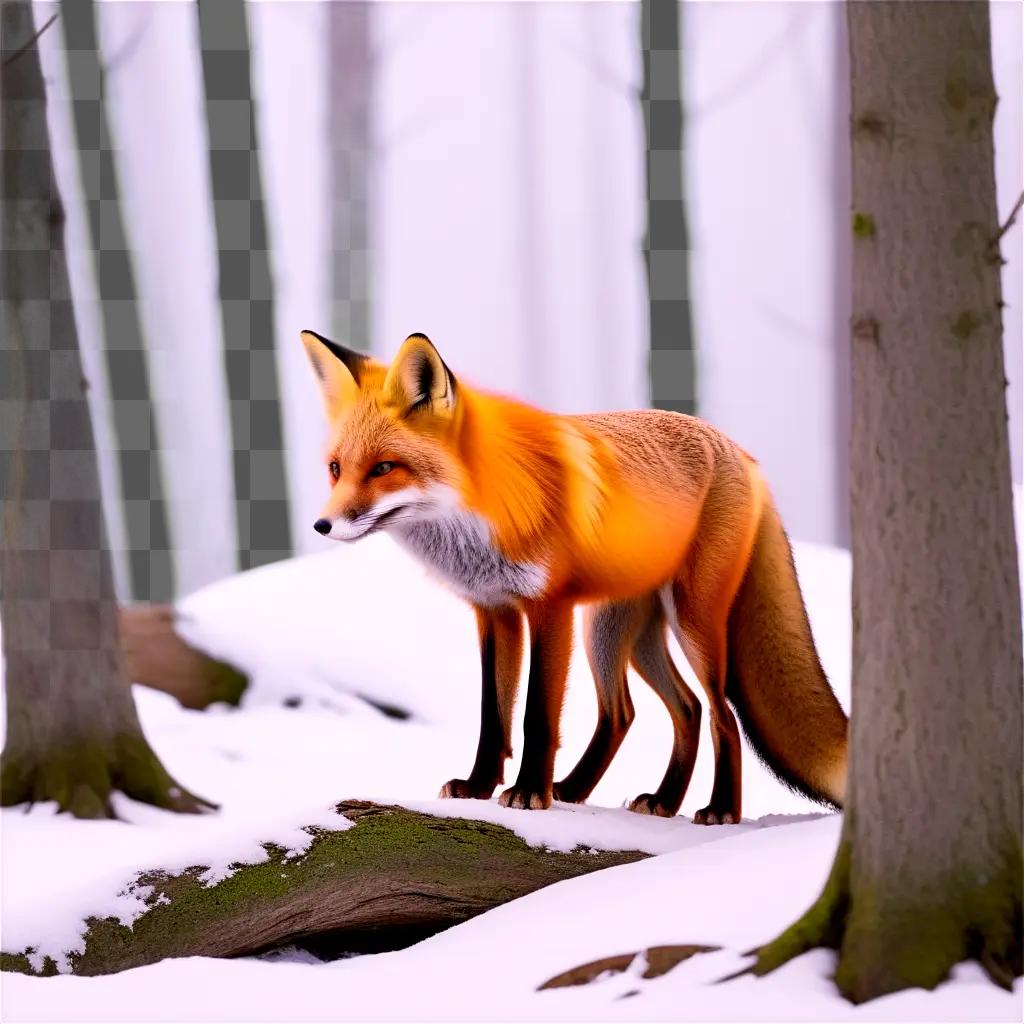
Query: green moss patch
{"x": 863, "y": 225}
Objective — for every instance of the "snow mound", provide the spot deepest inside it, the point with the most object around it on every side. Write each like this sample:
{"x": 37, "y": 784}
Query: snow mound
{"x": 736, "y": 893}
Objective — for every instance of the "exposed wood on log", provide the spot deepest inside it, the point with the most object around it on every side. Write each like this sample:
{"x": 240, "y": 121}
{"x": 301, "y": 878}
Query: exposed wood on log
{"x": 157, "y": 656}
{"x": 658, "y": 960}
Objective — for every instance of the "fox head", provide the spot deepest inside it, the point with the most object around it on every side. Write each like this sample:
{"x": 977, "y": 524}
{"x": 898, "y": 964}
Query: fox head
{"x": 389, "y": 457}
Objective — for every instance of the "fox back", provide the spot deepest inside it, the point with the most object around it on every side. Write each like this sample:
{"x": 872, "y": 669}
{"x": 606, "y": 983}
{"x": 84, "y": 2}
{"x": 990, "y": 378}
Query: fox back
{"x": 507, "y": 501}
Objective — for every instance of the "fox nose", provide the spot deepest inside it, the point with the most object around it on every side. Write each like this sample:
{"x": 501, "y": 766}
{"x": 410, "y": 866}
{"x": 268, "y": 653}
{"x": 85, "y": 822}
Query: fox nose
{"x": 322, "y": 526}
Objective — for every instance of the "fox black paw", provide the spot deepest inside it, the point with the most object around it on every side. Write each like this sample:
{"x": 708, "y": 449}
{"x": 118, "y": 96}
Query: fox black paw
{"x": 465, "y": 789}
{"x": 566, "y": 794}
{"x": 715, "y": 816}
{"x": 647, "y": 803}
{"x": 525, "y": 797}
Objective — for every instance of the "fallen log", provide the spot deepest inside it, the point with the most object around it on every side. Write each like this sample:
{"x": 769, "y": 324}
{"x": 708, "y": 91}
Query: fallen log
{"x": 155, "y": 655}
{"x": 392, "y": 878}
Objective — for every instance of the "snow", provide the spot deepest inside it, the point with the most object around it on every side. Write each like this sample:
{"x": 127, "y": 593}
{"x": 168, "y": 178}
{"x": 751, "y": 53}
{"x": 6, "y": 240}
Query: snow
{"x": 734, "y": 891}
{"x": 364, "y": 623}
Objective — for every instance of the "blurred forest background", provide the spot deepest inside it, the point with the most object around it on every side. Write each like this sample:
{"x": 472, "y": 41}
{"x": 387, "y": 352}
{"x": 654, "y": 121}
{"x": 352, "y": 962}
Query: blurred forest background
{"x": 236, "y": 172}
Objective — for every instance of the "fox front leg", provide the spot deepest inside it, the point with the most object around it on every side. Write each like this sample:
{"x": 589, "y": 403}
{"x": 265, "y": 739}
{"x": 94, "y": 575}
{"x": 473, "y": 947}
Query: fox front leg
{"x": 550, "y": 646}
{"x": 501, "y": 654}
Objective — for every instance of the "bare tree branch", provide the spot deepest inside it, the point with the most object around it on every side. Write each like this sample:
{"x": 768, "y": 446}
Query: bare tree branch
{"x": 1009, "y": 222}
{"x": 29, "y": 43}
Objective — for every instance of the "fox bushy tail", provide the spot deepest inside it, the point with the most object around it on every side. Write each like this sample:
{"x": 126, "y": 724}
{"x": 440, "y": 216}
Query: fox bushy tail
{"x": 774, "y": 678}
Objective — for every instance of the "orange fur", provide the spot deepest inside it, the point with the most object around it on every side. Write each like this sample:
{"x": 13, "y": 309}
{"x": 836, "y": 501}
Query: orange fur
{"x": 655, "y": 517}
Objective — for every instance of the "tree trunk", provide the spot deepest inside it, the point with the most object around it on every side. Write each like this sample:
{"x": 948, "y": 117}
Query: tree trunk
{"x": 151, "y": 571}
{"x": 667, "y": 242}
{"x": 72, "y": 731}
{"x": 928, "y": 871}
{"x": 392, "y": 879}
{"x": 350, "y": 71}
{"x": 245, "y": 285}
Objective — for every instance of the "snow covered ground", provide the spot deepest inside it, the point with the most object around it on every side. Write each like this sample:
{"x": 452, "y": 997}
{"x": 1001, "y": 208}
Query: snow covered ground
{"x": 360, "y": 624}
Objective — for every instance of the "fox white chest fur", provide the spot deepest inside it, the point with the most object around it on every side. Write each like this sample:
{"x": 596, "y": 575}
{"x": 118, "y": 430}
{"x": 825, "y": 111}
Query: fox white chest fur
{"x": 458, "y": 547}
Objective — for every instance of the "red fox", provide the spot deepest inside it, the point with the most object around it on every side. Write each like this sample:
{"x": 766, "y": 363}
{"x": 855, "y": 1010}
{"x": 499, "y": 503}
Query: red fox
{"x": 654, "y": 520}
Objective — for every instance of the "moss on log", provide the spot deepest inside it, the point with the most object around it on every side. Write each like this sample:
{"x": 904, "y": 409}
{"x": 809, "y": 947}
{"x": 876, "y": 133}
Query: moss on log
{"x": 395, "y": 873}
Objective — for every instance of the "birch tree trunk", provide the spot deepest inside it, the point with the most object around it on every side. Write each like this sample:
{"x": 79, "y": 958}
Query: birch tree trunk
{"x": 245, "y": 284}
{"x": 151, "y": 570}
{"x": 667, "y": 241}
{"x": 928, "y": 872}
{"x": 72, "y": 730}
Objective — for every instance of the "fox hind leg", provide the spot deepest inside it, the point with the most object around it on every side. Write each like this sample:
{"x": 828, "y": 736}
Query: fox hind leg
{"x": 697, "y": 604}
{"x": 653, "y": 662}
{"x": 706, "y": 651}
{"x": 699, "y": 611}
{"x": 609, "y": 632}
{"x": 705, "y": 646}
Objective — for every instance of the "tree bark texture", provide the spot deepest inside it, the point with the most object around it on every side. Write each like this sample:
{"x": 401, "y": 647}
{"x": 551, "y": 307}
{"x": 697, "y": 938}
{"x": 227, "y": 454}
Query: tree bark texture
{"x": 673, "y": 371}
{"x": 929, "y": 868}
{"x": 394, "y": 877}
{"x": 149, "y": 554}
{"x": 72, "y": 731}
{"x": 246, "y": 286}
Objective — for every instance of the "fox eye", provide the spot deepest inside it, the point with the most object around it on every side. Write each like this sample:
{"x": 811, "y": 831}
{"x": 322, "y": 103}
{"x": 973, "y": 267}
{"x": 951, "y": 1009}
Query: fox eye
{"x": 335, "y": 470}
{"x": 382, "y": 469}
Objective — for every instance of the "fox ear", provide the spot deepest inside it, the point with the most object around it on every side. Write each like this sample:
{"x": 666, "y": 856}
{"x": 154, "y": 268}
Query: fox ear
{"x": 418, "y": 380}
{"x": 337, "y": 368}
